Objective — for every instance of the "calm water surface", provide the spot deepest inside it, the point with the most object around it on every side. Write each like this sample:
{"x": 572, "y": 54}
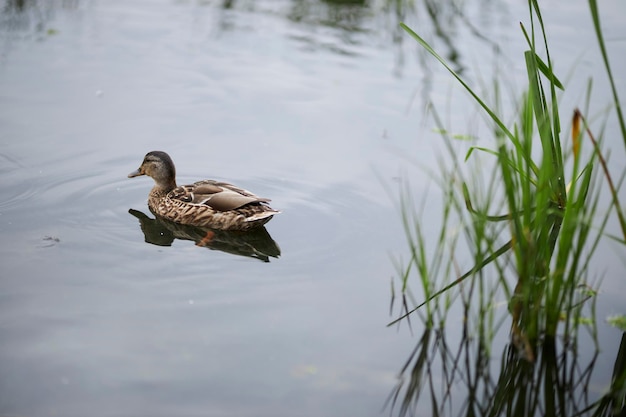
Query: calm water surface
{"x": 317, "y": 105}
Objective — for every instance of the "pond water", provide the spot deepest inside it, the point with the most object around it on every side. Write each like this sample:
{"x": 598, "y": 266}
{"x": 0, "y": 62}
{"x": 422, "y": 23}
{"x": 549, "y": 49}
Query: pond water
{"x": 318, "y": 105}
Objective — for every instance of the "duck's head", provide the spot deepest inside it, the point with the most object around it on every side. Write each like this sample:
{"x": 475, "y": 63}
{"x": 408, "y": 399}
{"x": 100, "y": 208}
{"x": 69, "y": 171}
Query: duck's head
{"x": 160, "y": 167}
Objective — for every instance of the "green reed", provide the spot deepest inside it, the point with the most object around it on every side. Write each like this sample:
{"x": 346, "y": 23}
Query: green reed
{"x": 528, "y": 212}
{"x": 548, "y": 227}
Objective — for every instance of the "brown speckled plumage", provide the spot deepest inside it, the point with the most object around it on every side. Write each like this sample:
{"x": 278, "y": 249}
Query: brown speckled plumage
{"x": 207, "y": 203}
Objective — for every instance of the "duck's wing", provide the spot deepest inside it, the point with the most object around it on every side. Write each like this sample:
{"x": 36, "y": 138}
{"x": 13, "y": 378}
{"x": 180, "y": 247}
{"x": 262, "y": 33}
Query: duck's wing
{"x": 231, "y": 187}
{"x": 220, "y": 196}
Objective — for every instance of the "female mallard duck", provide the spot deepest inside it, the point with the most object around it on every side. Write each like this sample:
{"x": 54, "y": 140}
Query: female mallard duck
{"x": 207, "y": 203}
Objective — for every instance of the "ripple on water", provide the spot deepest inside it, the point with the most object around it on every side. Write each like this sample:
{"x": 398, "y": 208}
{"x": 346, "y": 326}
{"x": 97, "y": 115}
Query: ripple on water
{"x": 91, "y": 199}
{"x": 98, "y": 205}
{"x": 15, "y": 189}
{"x": 316, "y": 224}
{"x": 325, "y": 224}
{"x": 76, "y": 194}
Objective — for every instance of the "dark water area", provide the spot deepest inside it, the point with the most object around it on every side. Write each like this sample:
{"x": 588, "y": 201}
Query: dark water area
{"x": 318, "y": 105}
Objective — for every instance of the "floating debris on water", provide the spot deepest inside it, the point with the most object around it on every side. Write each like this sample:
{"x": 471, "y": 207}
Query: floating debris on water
{"x": 49, "y": 241}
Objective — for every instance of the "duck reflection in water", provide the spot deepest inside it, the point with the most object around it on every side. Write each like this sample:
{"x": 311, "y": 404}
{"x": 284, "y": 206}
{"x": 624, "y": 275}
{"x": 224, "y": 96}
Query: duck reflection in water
{"x": 256, "y": 243}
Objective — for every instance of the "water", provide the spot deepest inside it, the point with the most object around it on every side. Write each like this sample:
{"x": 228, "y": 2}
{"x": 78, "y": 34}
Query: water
{"x": 317, "y": 105}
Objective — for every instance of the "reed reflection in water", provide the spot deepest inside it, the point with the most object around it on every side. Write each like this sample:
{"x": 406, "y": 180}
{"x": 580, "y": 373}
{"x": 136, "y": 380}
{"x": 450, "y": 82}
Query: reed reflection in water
{"x": 451, "y": 378}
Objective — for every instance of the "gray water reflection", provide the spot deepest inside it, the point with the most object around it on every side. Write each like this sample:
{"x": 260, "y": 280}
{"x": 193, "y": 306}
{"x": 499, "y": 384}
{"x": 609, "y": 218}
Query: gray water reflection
{"x": 310, "y": 103}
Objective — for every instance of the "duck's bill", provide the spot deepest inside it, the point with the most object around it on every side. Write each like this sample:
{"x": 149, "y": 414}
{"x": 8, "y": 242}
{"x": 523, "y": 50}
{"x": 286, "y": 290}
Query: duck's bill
{"x": 135, "y": 173}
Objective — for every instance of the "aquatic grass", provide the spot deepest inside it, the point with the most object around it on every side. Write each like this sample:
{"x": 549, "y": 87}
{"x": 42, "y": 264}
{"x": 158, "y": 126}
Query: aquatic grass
{"x": 426, "y": 261}
{"x": 613, "y": 402}
{"x": 531, "y": 225}
{"x": 595, "y": 17}
{"x": 548, "y": 226}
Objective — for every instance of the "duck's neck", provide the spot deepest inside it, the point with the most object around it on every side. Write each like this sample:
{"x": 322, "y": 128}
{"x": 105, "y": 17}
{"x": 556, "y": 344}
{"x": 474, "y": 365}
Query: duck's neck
{"x": 161, "y": 189}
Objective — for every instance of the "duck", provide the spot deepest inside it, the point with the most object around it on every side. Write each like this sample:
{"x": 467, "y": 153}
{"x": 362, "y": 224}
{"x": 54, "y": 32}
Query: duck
{"x": 207, "y": 203}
